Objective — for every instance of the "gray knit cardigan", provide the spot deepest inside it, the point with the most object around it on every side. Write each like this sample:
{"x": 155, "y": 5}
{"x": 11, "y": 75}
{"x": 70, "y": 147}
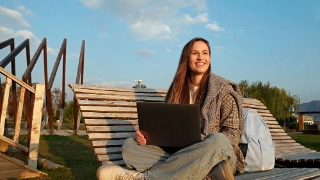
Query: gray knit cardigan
{"x": 218, "y": 87}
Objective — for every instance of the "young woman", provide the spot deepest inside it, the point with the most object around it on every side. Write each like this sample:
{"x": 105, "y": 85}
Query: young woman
{"x": 217, "y": 156}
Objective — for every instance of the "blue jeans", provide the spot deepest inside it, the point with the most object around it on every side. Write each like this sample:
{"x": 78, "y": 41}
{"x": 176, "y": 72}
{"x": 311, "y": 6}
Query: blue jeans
{"x": 192, "y": 162}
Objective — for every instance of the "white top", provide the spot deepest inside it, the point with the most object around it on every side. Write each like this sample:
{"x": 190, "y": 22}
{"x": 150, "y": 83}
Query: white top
{"x": 192, "y": 91}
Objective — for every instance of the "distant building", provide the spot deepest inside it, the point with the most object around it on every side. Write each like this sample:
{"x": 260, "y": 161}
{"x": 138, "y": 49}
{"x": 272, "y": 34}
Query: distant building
{"x": 317, "y": 121}
{"x": 308, "y": 119}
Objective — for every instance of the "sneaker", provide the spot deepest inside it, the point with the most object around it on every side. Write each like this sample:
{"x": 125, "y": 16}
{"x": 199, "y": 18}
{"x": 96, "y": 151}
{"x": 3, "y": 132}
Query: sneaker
{"x": 116, "y": 172}
{"x": 221, "y": 171}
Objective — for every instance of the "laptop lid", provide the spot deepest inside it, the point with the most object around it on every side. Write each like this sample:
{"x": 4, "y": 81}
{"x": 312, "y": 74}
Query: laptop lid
{"x": 169, "y": 125}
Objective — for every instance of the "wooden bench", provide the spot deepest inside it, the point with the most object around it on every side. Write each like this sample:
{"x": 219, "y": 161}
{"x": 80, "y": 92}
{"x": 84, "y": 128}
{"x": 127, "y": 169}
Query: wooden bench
{"x": 110, "y": 117}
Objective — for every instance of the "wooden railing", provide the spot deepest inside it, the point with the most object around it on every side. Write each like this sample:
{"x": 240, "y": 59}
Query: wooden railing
{"x": 10, "y": 58}
{"x": 34, "y": 130}
{"x": 79, "y": 80}
{"x": 48, "y": 83}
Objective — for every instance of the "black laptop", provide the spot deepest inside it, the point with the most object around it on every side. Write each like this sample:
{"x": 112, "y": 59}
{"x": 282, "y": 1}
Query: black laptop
{"x": 169, "y": 125}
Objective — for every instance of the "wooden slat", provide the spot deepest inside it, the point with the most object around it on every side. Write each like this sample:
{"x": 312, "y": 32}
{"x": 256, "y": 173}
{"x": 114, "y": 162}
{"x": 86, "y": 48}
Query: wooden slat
{"x": 284, "y": 141}
{"x": 269, "y": 119}
{"x": 108, "y": 109}
{"x": 288, "y": 145}
{"x": 106, "y": 103}
{"x": 310, "y": 155}
{"x": 281, "y": 173}
{"x": 281, "y": 137}
{"x": 108, "y": 150}
{"x": 104, "y": 122}
{"x": 105, "y": 143}
{"x": 305, "y": 173}
{"x": 110, "y": 128}
{"x": 101, "y": 159}
{"x": 117, "y": 93}
{"x": 252, "y": 106}
{"x": 19, "y": 115}
{"x": 110, "y": 157}
{"x": 35, "y": 127}
{"x": 76, "y": 87}
{"x": 256, "y": 175}
{"x": 7, "y": 165}
{"x": 92, "y": 115}
{"x": 107, "y": 136}
{"x": 276, "y": 130}
{"x": 119, "y": 98}
{"x": 274, "y": 126}
{"x": 18, "y": 173}
{"x": 4, "y": 105}
{"x": 14, "y": 144}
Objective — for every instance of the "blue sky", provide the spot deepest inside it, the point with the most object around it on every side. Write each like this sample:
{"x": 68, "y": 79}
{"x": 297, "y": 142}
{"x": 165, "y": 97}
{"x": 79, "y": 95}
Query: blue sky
{"x": 267, "y": 40}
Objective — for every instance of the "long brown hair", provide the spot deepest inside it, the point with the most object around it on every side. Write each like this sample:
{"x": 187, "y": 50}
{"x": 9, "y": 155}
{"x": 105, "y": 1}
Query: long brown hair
{"x": 179, "y": 88}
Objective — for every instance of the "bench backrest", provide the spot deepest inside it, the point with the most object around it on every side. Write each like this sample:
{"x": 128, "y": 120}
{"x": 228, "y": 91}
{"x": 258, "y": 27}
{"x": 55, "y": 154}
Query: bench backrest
{"x": 110, "y": 117}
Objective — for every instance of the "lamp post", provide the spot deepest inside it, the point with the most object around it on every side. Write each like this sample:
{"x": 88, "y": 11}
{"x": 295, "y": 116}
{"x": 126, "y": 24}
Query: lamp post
{"x": 139, "y": 83}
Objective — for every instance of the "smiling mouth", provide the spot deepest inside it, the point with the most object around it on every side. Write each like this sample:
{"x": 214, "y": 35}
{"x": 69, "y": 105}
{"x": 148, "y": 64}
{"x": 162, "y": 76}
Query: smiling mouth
{"x": 200, "y": 64}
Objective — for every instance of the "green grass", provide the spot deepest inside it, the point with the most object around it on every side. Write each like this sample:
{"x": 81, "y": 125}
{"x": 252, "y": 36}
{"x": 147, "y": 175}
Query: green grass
{"x": 311, "y": 141}
{"x": 75, "y": 153}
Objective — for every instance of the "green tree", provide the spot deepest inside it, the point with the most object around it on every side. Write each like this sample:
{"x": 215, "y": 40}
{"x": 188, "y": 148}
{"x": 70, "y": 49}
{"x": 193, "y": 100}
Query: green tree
{"x": 277, "y": 100}
{"x": 56, "y": 98}
{"x": 141, "y": 86}
{"x": 68, "y": 113}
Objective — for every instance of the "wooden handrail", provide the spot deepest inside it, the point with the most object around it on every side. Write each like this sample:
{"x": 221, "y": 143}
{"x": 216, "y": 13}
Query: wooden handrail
{"x": 6, "y": 43}
{"x": 14, "y": 53}
{"x": 56, "y": 65}
{"x": 27, "y": 72}
{"x": 81, "y": 64}
{"x": 21, "y": 83}
{"x": 76, "y": 119}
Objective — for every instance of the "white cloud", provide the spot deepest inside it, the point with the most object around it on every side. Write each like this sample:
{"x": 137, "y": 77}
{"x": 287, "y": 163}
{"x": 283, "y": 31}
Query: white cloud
{"x": 12, "y": 18}
{"x": 25, "y": 34}
{"x": 6, "y": 33}
{"x": 201, "y": 18}
{"x": 145, "y": 53}
{"x": 118, "y": 84}
{"x": 153, "y": 19}
{"x": 72, "y": 56}
{"x": 25, "y": 11}
{"x": 215, "y": 27}
{"x": 95, "y": 4}
{"x": 148, "y": 30}
{"x": 168, "y": 50}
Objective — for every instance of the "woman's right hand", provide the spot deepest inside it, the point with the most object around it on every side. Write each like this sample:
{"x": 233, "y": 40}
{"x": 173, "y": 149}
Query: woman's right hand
{"x": 140, "y": 138}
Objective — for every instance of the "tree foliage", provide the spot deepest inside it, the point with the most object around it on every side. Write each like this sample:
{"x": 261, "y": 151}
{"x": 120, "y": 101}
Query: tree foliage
{"x": 56, "y": 98}
{"x": 141, "y": 86}
{"x": 278, "y": 100}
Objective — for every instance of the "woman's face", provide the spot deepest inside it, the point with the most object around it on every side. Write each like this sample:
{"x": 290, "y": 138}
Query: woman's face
{"x": 199, "y": 59}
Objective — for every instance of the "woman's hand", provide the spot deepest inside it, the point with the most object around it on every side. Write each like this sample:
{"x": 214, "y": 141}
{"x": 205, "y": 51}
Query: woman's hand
{"x": 140, "y": 138}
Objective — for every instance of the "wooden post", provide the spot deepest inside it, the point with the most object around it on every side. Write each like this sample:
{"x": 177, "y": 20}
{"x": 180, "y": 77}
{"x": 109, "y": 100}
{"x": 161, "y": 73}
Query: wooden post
{"x": 301, "y": 123}
{"x": 36, "y": 125}
{"x": 19, "y": 115}
{"x": 4, "y": 105}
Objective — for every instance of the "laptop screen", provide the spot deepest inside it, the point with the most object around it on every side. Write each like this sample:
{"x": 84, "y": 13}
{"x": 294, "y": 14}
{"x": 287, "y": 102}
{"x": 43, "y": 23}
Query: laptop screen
{"x": 170, "y": 125}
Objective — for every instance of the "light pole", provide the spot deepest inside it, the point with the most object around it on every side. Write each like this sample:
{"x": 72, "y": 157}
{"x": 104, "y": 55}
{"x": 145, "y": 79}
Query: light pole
{"x": 139, "y": 83}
